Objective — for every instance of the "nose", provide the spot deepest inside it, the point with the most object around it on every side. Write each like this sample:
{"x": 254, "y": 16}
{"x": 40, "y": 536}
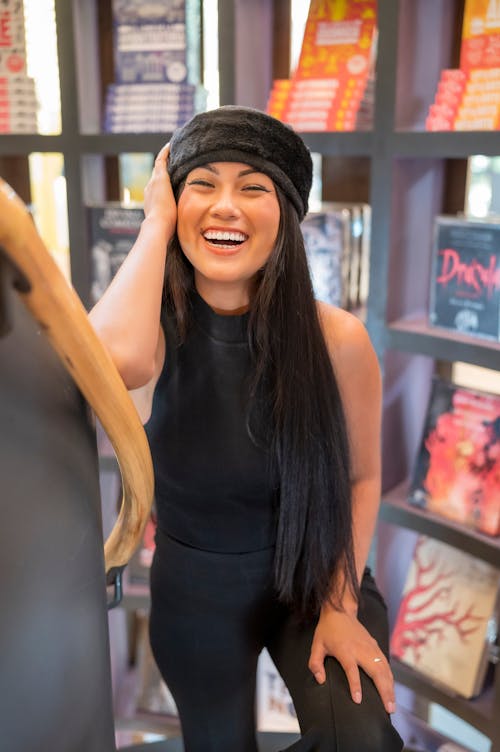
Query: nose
{"x": 225, "y": 203}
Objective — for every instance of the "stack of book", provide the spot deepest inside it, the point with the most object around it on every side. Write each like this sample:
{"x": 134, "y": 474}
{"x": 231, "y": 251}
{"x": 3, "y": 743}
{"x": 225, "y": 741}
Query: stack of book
{"x": 332, "y": 87}
{"x": 468, "y": 97}
{"x": 18, "y": 103}
{"x": 156, "y": 86}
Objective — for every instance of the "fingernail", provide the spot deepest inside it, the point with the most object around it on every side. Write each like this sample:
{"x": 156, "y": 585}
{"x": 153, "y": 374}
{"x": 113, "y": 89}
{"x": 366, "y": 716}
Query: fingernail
{"x": 319, "y": 677}
{"x": 357, "y": 697}
{"x": 391, "y": 707}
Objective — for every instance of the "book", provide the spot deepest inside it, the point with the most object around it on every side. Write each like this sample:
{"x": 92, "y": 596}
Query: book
{"x": 332, "y": 87}
{"x": 457, "y": 470}
{"x": 465, "y": 276}
{"x": 336, "y": 238}
{"x": 157, "y": 60}
{"x": 275, "y": 709}
{"x": 326, "y": 239}
{"x": 18, "y": 102}
{"x": 442, "y": 629}
{"x": 113, "y": 228}
{"x": 460, "y": 102}
{"x": 480, "y": 43}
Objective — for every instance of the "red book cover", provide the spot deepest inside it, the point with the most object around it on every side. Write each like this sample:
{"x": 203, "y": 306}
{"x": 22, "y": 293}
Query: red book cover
{"x": 457, "y": 471}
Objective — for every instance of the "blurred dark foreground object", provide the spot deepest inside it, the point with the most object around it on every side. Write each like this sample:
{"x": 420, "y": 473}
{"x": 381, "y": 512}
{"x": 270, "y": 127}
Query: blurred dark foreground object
{"x": 55, "y": 670}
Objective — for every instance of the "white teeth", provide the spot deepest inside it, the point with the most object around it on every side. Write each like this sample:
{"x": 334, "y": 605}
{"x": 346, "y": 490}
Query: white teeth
{"x": 226, "y": 235}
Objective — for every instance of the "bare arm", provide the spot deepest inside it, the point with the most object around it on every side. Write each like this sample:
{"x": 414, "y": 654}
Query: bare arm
{"x": 339, "y": 633}
{"x": 127, "y": 317}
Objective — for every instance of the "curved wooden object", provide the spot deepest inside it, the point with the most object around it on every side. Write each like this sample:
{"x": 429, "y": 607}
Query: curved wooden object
{"x": 62, "y": 317}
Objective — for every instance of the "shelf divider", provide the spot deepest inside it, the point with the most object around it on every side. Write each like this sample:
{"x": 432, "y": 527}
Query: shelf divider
{"x": 396, "y": 510}
{"x": 413, "y": 334}
{"x": 478, "y": 712}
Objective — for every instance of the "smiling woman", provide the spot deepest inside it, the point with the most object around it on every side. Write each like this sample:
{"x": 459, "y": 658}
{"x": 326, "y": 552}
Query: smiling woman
{"x": 262, "y": 410}
{"x": 227, "y": 224}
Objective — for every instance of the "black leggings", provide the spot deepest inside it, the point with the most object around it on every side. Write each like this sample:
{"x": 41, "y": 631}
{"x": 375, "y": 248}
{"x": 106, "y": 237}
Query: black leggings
{"x": 211, "y": 616}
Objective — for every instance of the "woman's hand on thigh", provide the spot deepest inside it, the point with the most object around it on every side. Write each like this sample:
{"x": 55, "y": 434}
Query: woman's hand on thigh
{"x": 341, "y": 635}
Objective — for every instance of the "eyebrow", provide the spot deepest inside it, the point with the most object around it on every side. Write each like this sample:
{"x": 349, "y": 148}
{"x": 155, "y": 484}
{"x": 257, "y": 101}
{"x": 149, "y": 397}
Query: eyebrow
{"x": 241, "y": 174}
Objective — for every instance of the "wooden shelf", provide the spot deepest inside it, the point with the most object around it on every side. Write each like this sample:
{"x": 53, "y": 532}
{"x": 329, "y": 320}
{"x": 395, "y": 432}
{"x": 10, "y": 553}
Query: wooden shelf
{"x": 415, "y": 335}
{"x": 353, "y": 143}
{"x": 396, "y": 510}
{"x": 445, "y": 144}
{"x": 328, "y": 144}
{"x": 478, "y": 712}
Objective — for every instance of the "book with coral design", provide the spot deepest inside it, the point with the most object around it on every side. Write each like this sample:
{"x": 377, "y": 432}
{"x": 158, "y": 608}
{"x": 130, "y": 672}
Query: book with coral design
{"x": 444, "y": 627}
{"x": 457, "y": 472}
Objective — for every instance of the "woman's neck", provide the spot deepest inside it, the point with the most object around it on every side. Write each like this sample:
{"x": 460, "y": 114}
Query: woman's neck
{"x": 226, "y": 300}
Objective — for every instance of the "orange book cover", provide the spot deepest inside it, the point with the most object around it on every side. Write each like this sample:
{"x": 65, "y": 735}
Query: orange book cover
{"x": 338, "y": 38}
{"x": 480, "y": 46}
{"x": 337, "y": 57}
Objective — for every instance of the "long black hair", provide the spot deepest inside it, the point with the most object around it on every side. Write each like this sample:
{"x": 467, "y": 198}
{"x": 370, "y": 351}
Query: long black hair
{"x": 308, "y": 439}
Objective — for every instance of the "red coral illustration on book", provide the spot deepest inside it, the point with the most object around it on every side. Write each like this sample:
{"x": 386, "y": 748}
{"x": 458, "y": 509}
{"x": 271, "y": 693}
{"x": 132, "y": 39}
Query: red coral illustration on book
{"x": 442, "y": 621}
{"x": 426, "y": 612}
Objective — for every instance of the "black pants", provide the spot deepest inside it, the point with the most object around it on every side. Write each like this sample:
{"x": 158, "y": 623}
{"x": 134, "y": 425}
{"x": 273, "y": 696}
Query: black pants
{"x": 211, "y": 616}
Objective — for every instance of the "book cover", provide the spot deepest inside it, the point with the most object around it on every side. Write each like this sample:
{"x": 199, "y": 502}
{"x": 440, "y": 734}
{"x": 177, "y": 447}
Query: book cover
{"x": 465, "y": 277}
{"x": 480, "y": 45}
{"x": 275, "y": 709}
{"x": 113, "y": 228}
{"x": 457, "y": 471}
{"x": 442, "y": 626}
{"x": 337, "y": 55}
{"x": 326, "y": 237}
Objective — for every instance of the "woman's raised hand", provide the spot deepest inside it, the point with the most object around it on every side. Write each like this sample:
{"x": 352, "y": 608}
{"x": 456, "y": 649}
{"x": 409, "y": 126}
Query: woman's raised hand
{"x": 159, "y": 201}
{"x": 341, "y": 635}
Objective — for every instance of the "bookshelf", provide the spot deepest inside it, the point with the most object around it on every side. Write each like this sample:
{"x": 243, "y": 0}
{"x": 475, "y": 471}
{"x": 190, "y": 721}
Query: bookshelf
{"x": 412, "y": 175}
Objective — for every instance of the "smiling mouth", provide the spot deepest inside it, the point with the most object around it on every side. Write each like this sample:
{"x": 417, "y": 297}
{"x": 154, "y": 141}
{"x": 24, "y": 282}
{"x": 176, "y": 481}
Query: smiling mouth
{"x": 225, "y": 240}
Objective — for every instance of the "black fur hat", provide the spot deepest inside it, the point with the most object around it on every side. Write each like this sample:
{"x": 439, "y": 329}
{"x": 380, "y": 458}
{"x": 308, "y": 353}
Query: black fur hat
{"x": 243, "y": 134}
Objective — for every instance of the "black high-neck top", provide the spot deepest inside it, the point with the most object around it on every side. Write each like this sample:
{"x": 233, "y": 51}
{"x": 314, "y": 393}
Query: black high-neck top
{"x": 213, "y": 484}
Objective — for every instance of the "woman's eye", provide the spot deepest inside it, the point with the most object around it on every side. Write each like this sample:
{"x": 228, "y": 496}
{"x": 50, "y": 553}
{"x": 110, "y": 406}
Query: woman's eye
{"x": 200, "y": 181}
{"x": 254, "y": 187}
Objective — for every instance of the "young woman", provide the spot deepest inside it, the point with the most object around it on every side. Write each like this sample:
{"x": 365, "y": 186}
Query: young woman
{"x": 262, "y": 409}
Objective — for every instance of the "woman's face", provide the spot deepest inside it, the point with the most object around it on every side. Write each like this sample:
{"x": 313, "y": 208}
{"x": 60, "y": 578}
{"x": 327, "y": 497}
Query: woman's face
{"x": 228, "y": 219}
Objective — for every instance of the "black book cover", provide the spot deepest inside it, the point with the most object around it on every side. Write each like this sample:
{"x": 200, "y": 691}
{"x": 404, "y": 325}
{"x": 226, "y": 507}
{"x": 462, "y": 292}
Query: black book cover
{"x": 465, "y": 277}
{"x": 113, "y": 228}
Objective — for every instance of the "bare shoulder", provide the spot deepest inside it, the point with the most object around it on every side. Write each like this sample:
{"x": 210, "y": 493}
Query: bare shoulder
{"x": 345, "y": 334}
{"x": 351, "y": 351}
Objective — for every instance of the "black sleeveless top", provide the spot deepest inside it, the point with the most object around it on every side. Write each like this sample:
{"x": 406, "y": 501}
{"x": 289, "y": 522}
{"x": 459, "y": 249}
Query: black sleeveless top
{"x": 213, "y": 484}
